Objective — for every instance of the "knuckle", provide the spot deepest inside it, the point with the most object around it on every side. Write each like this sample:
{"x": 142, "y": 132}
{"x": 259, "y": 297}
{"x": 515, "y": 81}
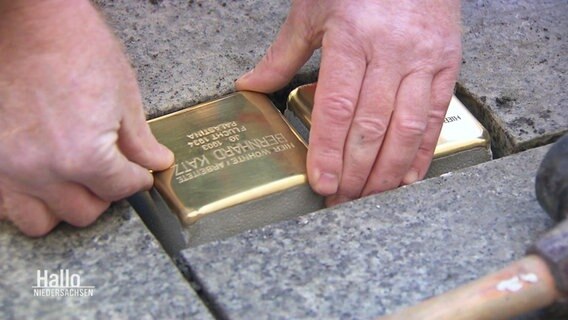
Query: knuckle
{"x": 329, "y": 154}
{"x": 437, "y": 115}
{"x": 36, "y": 231}
{"x": 369, "y": 129}
{"x": 272, "y": 61}
{"x": 411, "y": 128}
{"x": 270, "y": 56}
{"x": 425, "y": 151}
{"x": 88, "y": 216}
{"x": 453, "y": 53}
{"x": 425, "y": 51}
{"x": 76, "y": 206}
{"x": 339, "y": 109}
{"x": 31, "y": 226}
{"x": 429, "y": 46}
{"x": 275, "y": 65}
{"x": 413, "y": 45}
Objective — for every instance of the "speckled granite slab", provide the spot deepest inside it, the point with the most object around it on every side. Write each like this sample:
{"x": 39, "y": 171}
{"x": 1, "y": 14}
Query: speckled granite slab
{"x": 131, "y": 275}
{"x": 515, "y": 65}
{"x": 372, "y": 256}
{"x": 188, "y": 52}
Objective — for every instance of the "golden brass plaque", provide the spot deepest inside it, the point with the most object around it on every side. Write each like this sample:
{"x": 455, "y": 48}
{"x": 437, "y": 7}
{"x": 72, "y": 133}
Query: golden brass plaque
{"x": 238, "y": 165}
{"x": 463, "y": 140}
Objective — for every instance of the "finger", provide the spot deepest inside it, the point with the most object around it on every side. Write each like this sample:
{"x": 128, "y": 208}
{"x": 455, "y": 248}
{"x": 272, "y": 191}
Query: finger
{"x": 284, "y": 57}
{"x": 29, "y": 214}
{"x": 335, "y": 199}
{"x": 2, "y": 206}
{"x": 341, "y": 74}
{"x": 114, "y": 178}
{"x": 368, "y": 129}
{"x": 404, "y": 135}
{"x": 442, "y": 90}
{"x": 74, "y": 204}
{"x": 136, "y": 141}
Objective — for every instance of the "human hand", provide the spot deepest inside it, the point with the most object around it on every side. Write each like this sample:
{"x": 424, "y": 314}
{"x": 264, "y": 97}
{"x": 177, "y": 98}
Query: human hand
{"x": 73, "y": 136}
{"x": 387, "y": 74}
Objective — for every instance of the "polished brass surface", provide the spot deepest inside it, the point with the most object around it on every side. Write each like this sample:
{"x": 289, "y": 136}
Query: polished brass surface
{"x": 460, "y": 132}
{"x": 228, "y": 152}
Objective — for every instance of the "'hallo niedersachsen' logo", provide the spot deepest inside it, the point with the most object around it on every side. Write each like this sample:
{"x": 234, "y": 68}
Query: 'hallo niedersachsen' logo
{"x": 62, "y": 284}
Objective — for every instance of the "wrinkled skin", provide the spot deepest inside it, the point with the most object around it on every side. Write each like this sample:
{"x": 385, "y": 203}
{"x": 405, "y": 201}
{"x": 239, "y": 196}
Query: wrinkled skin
{"x": 73, "y": 135}
{"x": 387, "y": 74}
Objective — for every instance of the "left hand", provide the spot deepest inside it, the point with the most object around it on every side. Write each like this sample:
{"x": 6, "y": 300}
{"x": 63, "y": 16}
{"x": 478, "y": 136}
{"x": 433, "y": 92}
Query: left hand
{"x": 387, "y": 74}
{"x": 73, "y": 136}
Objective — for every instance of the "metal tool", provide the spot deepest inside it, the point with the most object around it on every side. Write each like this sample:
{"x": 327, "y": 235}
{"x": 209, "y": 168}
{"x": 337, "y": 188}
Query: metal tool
{"x": 528, "y": 284}
{"x": 552, "y": 180}
{"x": 158, "y": 218}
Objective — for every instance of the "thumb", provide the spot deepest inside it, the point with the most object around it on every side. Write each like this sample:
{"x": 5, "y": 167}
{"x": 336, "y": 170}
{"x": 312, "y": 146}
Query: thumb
{"x": 284, "y": 57}
{"x": 138, "y": 145}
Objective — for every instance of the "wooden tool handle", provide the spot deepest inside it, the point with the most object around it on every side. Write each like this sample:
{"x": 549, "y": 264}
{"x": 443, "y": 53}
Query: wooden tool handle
{"x": 520, "y": 287}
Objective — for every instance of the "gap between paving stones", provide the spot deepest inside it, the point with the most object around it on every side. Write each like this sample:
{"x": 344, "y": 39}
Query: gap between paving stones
{"x": 207, "y": 298}
{"x": 502, "y": 144}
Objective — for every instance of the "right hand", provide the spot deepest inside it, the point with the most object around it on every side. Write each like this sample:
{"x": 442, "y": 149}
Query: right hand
{"x": 73, "y": 135}
{"x": 386, "y": 77}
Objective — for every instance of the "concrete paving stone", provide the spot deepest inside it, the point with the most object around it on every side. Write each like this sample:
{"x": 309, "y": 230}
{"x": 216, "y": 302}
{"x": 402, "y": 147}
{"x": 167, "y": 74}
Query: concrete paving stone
{"x": 372, "y": 256}
{"x": 132, "y": 276}
{"x": 514, "y": 67}
{"x": 187, "y": 52}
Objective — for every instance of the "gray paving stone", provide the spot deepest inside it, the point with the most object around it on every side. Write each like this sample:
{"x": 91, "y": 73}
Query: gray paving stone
{"x": 368, "y": 257}
{"x": 132, "y": 276}
{"x": 188, "y": 52}
{"x": 515, "y": 66}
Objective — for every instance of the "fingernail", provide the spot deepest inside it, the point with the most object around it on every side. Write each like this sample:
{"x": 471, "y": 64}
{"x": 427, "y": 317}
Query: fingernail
{"x": 410, "y": 177}
{"x": 327, "y": 183}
